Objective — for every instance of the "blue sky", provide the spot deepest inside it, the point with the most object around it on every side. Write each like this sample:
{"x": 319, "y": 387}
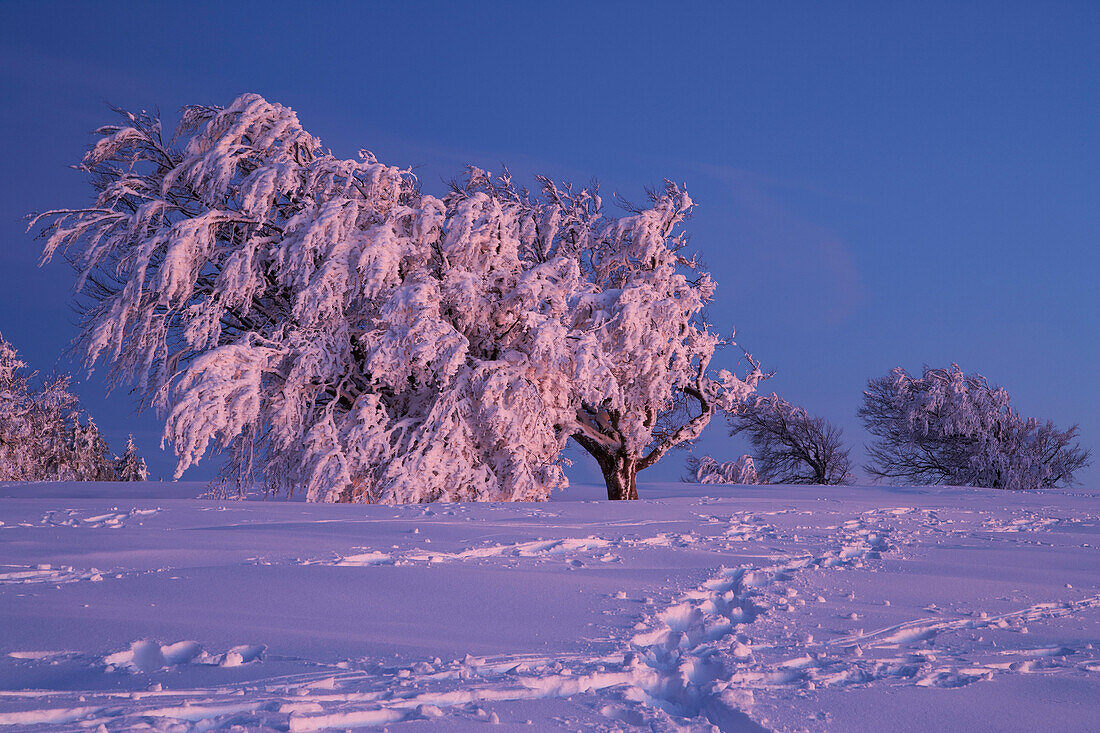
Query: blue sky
{"x": 879, "y": 184}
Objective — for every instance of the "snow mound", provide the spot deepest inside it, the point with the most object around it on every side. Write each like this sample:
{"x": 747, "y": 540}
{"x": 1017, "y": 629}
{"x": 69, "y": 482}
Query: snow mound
{"x": 145, "y": 655}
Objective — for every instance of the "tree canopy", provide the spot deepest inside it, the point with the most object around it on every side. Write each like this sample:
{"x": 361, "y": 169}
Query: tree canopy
{"x": 948, "y": 427}
{"x": 332, "y": 327}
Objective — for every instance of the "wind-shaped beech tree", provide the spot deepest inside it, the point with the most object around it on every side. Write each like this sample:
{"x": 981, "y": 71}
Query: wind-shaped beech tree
{"x": 948, "y": 427}
{"x": 332, "y": 327}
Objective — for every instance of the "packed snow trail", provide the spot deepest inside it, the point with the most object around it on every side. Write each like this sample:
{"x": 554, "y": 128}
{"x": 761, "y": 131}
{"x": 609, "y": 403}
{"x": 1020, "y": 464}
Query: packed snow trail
{"x": 741, "y": 609}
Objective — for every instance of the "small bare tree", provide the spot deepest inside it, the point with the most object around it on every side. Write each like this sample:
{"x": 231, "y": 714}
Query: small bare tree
{"x": 791, "y": 446}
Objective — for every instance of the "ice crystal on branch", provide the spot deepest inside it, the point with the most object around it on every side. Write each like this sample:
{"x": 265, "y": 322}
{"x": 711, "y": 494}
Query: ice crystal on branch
{"x": 332, "y": 327}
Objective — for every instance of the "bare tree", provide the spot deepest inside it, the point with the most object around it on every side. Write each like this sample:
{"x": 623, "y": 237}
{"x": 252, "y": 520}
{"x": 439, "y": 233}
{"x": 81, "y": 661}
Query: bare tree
{"x": 791, "y": 446}
{"x": 947, "y": 427}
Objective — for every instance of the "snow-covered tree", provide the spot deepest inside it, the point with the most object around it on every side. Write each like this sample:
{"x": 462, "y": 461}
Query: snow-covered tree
{"x": 89, "y": 457}
{"x": 43, "y": 433}
{"x": 791, "y": 446}
{"x": 54, "y": 421}
{"x": 130, "y": 466}
{"x": 947, "y": 427}
{"x": 643, "y": 385}
{"x": 13, "y": 378}
{"x": 706, "y": 470}
{"x": 35, "y": 421}
{"x": 15, "y": 405}
{"x": 330, "y": 326}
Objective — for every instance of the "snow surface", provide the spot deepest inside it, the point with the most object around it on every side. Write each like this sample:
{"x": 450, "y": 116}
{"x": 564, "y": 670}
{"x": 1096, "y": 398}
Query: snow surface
{"x": 742, "y": 607}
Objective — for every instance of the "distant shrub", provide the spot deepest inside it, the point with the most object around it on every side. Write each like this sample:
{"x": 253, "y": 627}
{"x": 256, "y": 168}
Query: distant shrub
{"x": 947, "y": 427}
{"x": 706, "y": 470}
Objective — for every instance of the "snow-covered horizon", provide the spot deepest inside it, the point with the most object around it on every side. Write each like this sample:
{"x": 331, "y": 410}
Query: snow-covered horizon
{"x": 871, "y": 608}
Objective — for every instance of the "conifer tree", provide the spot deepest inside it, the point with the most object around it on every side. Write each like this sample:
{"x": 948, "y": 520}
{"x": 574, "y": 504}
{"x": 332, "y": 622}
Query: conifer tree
{"x": 130, "y": 466}
{"x": 44, "y": 435}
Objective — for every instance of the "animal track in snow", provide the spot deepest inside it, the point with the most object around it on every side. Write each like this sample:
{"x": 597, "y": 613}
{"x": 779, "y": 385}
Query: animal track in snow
{"x": 698, "y": 648}
{"x": 1030, "y": 522}
{"x": 537, "y": 548}
{"x": 749, "y": 527}
{"x": 921, "y": 629}
{"x": 678, "y": 662}
{"x": 366, "y": 558}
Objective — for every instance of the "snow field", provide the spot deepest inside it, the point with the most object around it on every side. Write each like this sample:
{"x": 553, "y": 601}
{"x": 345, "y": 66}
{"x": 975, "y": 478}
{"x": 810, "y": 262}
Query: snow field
{"x": 741, "y": 608}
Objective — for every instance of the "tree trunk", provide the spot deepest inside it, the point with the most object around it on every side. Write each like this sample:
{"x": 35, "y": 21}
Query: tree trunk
{"x": 620, "y": 474}
{"x": 620, "y": 471}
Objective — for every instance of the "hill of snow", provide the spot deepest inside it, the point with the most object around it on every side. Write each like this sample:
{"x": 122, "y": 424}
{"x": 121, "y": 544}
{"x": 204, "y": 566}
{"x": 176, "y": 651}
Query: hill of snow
{"x": 747, "y": 608}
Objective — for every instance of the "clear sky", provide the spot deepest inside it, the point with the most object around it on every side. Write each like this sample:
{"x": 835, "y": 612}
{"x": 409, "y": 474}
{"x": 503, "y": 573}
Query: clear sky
{"x": 879, "y": 184}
